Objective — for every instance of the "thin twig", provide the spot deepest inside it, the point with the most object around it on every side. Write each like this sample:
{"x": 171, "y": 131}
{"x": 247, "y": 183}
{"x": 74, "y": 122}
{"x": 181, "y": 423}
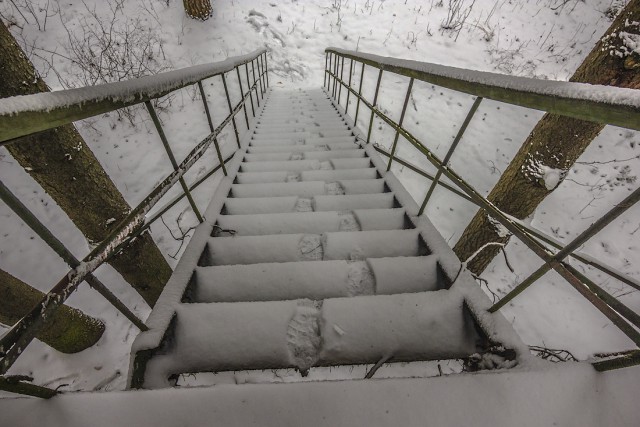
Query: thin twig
{"x": 377, "y": 366}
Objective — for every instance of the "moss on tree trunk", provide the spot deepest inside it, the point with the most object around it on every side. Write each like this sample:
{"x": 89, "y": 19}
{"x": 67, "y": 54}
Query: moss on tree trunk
{"x": 555, "y": 142}
{"x": 69, "y": 330}
{"x": 65, "y": 167}
{"x": 198, "y": 9}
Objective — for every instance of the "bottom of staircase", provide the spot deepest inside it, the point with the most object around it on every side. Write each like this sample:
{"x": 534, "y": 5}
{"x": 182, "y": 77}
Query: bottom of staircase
{"x": 566, "y": 394}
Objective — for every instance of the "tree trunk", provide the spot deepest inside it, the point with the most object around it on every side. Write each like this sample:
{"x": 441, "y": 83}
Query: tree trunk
{"x": 68, "y": 331}
{"x": 554, "y": 144}
{"x": 65, "y": 167}
{"x": 198, "y": 9}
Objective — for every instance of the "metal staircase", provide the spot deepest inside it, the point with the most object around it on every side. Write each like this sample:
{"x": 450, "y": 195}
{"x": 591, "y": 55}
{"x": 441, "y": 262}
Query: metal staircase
{"x": 311, "y": 254}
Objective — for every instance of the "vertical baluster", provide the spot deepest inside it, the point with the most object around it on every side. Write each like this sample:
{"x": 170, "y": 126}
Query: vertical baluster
{"x": 329, "y": 71}
{"x": 335, "y": 76}
{"x": 457, "y": 139}
{"x": 326, "y": 59}
{"x": 165, "y": 143}
{"x": 233, "y": 119}
{"x": 359, "y": 95}
{"x": 244, "y": 103}
{"x": 375, "y": 100}
{"x": 261, "y": 75}
{"x": 253, "y": 72}
{"x": 211, "y": 127}
{"x": 257, "y": 78}
{"x": 246, "y": 69}
{"x": 404, "y": 110}
{"x": 266, "y": 68}
{"x": 346, "y": 107}
{"x": 341, "y": 80}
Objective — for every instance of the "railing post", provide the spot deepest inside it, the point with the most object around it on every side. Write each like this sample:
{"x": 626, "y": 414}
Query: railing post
{"x": 373, "y": 105}
{"x": 461, "y": 131}
{"x": 253, "y": 72}
{"x": 326, "y": 59}
{"x": 261, "y": 74}
{"x": 233, "y": 118}
{"x": 355, "y": 121}
{"x": 211, "y": 127}
{"x": 346, "y": 107}
{"x": 266, "y": 68}
{"x": 404, "y": 110}
{"x": 607, "y": 218}
{"x": 244, "y": 105}
{"x": 329, "y": 70}
{"x": 52, "y": 241}
{"x": 335, "y": 76}
{"x": 165, "y": 143}
{"x": 341, "y": 79}
{"x": 246, "y": 69}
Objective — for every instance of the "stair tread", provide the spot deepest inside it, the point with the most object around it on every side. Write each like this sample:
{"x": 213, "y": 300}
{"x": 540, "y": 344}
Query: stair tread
{"x": 307, "y": 155}
{"x": 313, "y": 175}
{"x": 312, "y": 246}
{"x": 318, "y": 203}
{"x": 314, "y": 222}
{"x": 303, "y": 334}
{"x": 316, "y": 280}
{"x": 309, "y": 188}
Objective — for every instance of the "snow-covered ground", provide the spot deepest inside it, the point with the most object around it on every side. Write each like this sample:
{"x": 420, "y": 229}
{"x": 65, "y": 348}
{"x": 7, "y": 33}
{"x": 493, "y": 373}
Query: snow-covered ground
{"x": 543, "y": 39}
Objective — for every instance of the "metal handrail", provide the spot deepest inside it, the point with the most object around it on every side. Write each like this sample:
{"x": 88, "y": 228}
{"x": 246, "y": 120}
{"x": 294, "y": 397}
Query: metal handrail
{"x": 27, "y": 114}
{"x": 569, "y": 99}
{"x": 49, "y": 110}
{"x": 596, "y": 103}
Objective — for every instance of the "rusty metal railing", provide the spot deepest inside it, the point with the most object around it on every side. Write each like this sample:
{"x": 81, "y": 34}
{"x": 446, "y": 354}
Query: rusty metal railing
{"x": 26, "y": 115}
{"x": 620, "y": 107}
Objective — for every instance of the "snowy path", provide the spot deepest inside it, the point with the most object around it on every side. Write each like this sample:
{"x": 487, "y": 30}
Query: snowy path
{"x": 311, "y": 255}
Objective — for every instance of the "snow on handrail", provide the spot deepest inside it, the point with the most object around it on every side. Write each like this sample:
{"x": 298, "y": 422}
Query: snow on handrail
{"x": 27, "y": 114}
{"x": 598, "y": 103}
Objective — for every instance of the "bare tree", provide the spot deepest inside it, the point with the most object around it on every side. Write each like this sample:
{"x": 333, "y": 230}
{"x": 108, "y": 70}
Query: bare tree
{"x": 198, "y": 9}
{"x": 65, "y": 167}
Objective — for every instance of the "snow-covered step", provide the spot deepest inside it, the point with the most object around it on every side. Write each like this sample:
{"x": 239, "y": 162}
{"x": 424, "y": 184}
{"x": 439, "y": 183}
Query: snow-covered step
{"x": 306, "y": 155}
{"x": 315, "y": 280}
{"x": 317, "y": 175}
{"x": 302, "y": 165}
{"x": 264, "y": 205}
{"x": 270, "y": 135}
{"x": 315, "y": 222}
{"x": 303, "y": 147}
{"x": 279, "y": 141}
{"x": 302, "y": 333}
{"x": 308, "y": 188}
{"x": 316, "y": 121}
{"x": 311, "y": 126}
{"x": 308, "y": 247}
{"x": 299, "y": 113}
{"x": 259, "y": 205}
{"x": 354, "y": 201}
